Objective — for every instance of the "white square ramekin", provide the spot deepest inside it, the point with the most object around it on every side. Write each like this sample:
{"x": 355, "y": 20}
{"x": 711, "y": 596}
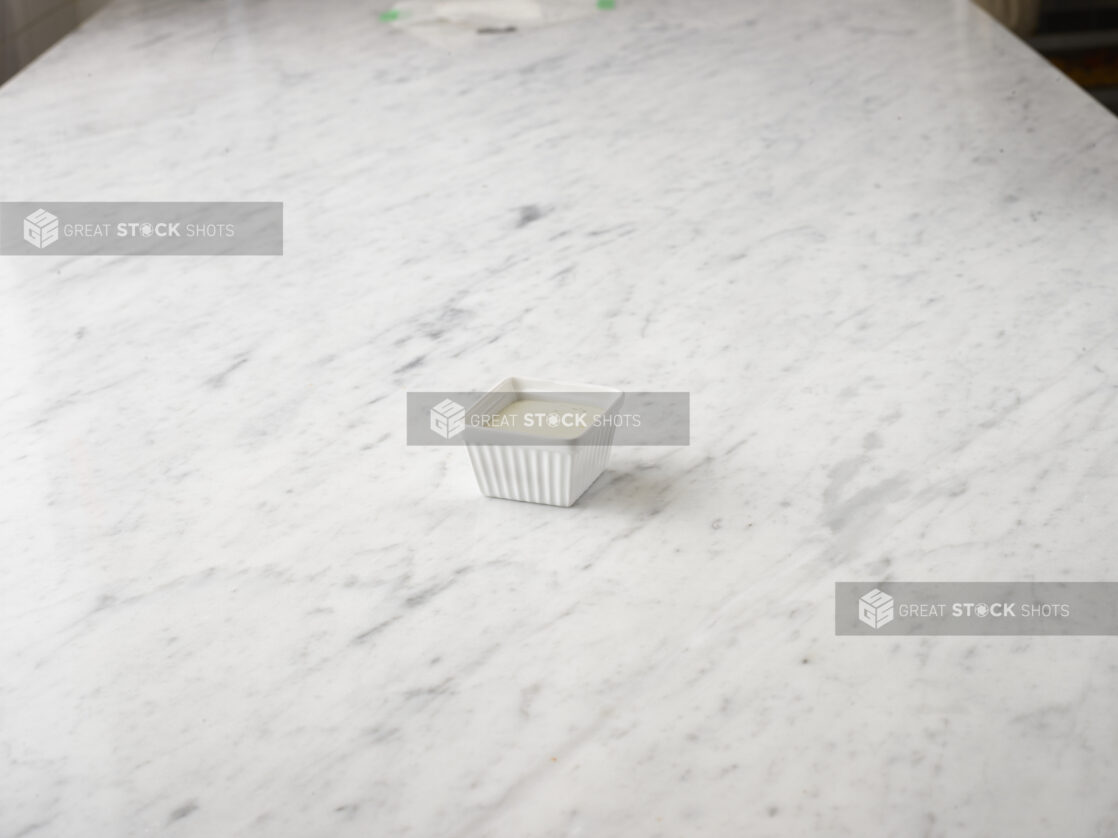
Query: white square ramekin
{"x": 521, "y": 466}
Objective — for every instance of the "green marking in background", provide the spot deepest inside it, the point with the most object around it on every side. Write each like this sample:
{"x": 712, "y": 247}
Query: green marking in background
{"x": 389, "y": 16}
{"x": 605, "y": 4}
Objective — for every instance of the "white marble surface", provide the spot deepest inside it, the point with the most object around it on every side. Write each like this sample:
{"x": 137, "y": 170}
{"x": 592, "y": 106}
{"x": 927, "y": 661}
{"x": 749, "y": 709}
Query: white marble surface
{"x": 875, "y": 240}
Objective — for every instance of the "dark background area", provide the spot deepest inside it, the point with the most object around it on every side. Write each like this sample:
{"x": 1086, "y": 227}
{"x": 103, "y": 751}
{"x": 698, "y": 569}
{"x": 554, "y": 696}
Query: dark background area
{"x": 1081, "y": 38}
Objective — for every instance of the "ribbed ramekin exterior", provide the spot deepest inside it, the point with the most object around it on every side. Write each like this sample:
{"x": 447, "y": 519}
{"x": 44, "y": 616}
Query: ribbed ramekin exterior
{"x": 552, "y": 474}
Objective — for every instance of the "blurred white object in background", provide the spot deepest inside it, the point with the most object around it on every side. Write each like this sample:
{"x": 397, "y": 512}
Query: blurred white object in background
{"x": 1018, "y": 15}
{"x": 449, "y": 23}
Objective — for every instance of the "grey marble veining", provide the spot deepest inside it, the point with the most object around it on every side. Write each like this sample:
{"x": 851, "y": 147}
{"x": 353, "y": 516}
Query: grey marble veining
{"x": 874, "y": 240}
